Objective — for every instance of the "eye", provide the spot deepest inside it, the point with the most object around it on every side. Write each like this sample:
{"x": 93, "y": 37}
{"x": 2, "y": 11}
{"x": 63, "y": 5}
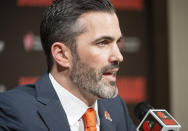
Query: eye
{"x": 103, "y": 43}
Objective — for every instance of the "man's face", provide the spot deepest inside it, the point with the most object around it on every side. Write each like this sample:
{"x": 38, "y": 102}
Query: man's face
{"x": 97, "y": 56}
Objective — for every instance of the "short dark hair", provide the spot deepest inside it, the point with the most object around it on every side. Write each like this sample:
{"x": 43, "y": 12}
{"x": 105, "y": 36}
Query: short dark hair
{"x": 59, "y": 19}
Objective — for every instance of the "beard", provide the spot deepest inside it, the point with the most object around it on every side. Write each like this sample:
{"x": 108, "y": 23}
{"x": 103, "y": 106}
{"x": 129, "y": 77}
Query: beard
{"x": 91, "y": 80}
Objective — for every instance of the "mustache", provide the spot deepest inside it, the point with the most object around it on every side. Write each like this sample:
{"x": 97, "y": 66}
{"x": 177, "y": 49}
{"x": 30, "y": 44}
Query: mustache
{"x": 109, "y": 67}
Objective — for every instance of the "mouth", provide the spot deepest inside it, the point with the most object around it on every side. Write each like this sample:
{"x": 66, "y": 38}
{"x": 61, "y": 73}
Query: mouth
{"x": 111, "y": 74}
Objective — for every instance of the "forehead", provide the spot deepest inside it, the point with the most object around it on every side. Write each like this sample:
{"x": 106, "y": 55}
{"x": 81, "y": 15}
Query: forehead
{"x": 99, "y": 24}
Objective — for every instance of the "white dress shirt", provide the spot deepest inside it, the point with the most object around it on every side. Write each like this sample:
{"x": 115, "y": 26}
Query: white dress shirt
{"x": 73, "y": 106}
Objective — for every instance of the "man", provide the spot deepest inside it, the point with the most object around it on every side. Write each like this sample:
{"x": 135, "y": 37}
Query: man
{"x": 80, "y": 39}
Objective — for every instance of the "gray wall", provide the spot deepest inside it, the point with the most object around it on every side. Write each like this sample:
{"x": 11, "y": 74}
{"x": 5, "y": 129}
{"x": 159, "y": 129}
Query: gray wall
{"x": 178, "y": 52}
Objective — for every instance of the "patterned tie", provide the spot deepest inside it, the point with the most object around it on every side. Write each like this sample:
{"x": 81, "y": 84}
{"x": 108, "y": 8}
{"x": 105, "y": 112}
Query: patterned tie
{"x": 90, "y": 120}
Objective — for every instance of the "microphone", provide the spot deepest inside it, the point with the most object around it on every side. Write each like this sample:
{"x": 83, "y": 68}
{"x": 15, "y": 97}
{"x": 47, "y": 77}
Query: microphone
{"x": 154, "y": 119}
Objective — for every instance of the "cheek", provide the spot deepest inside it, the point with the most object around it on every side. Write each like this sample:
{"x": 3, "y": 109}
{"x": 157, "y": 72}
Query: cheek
{"x": 94, "y": 58}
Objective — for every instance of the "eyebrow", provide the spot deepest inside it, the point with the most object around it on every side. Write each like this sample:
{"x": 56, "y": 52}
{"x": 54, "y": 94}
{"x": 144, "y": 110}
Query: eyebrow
{"x": 106, "y": 38}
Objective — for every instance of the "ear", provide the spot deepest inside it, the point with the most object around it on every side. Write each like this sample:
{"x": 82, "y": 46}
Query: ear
{"x": 61, "y": 54}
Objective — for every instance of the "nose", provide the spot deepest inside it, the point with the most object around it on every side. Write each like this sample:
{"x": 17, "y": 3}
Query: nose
{"x": 116, "y": 55}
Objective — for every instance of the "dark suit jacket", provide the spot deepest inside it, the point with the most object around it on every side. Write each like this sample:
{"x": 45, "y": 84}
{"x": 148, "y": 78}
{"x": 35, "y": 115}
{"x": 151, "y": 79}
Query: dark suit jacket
{"x": 37, "y": 108}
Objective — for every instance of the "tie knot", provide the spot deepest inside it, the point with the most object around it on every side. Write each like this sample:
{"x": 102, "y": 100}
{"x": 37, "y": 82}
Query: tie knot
{"x": 90, "y": 120}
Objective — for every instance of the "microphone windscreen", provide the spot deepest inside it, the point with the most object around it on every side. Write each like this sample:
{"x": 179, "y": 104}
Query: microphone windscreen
{"x": 141, "y": 109}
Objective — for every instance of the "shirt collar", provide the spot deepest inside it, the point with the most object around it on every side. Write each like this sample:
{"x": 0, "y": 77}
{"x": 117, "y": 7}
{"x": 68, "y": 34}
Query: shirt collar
{"x": 73, "y": 106}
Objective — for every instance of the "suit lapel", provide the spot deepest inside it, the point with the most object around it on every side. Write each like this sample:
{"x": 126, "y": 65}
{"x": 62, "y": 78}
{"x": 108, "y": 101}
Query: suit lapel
{"x": 54, "y": 116}
{"x": 50, "y": 109}
{"x": 105, "y": 124}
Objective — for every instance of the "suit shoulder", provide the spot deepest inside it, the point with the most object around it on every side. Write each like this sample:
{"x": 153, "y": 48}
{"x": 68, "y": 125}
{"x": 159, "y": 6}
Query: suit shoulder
{"x": 17, "y": 100}
{"x": 116, "y": 100}
{"x": 114, "y": 104}
{"x": 14, "y": 106}
{"x": 18, "y": 94}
